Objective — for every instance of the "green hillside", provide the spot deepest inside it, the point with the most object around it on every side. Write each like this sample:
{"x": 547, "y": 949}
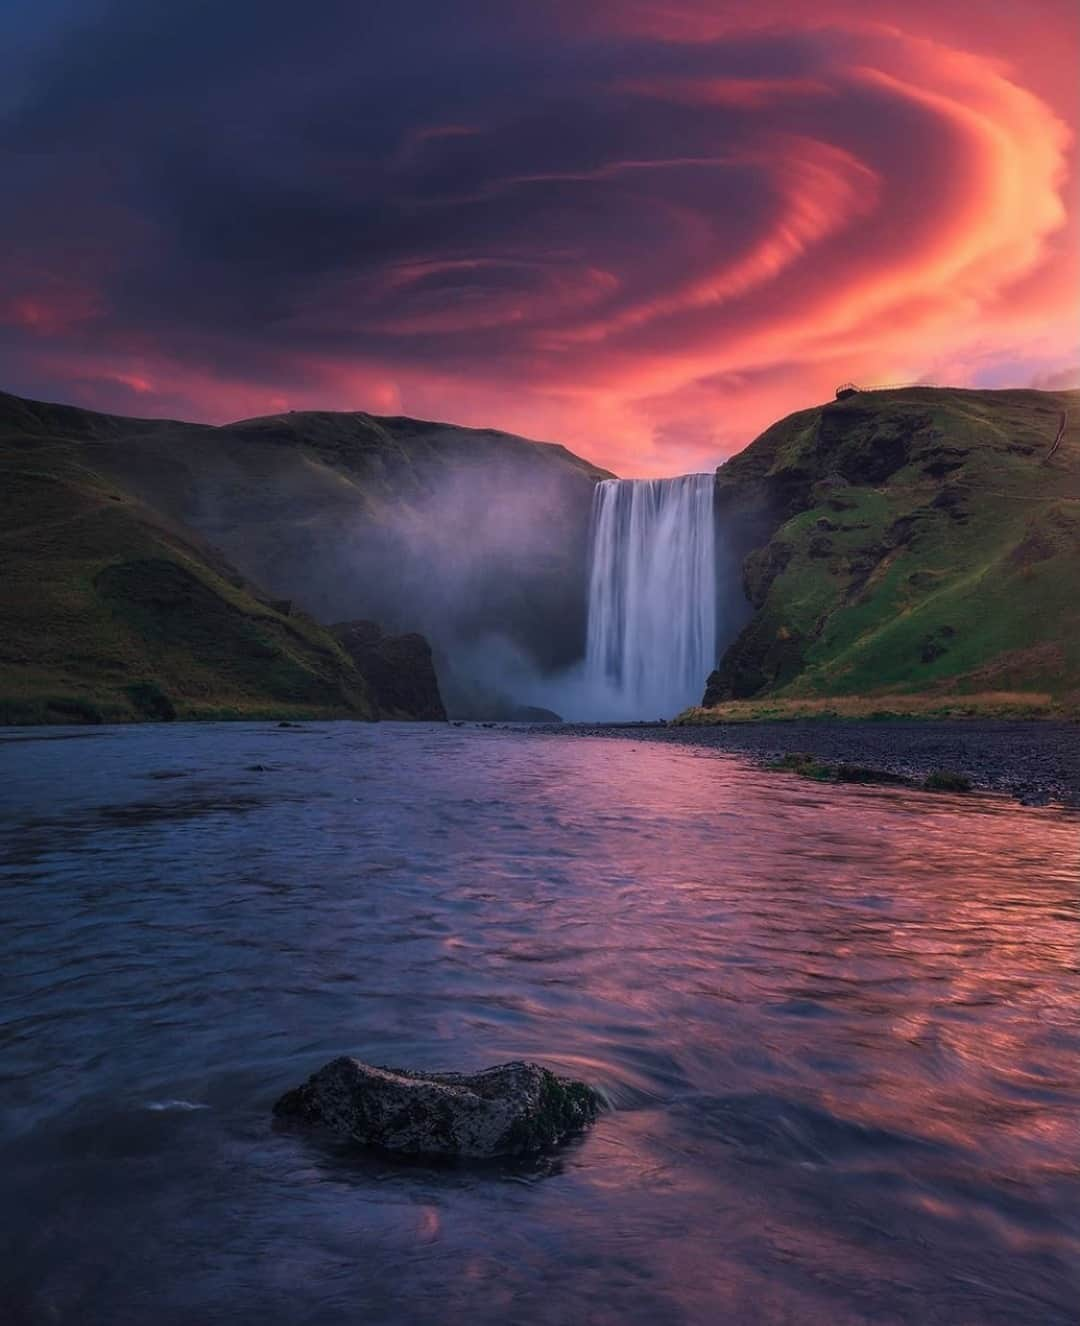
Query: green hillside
{"x": 154, "y": 567}
{"x": 916, "y": 546}
{"x": 107, "y": 613}
{"x": 452, "y": 532}
{"x": 919, "y": 542}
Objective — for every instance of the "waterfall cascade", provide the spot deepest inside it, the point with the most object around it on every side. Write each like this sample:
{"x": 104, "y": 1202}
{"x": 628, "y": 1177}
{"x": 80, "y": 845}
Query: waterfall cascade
{"x": 652, "y": 596}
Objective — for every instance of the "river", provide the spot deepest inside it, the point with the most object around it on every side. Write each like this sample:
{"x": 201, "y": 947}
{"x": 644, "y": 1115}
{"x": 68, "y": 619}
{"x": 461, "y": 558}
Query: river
{"x": 839, "y": 1028}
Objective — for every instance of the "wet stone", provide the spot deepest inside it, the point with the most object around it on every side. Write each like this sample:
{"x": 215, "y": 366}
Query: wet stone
{"x": 511, "y": 1110}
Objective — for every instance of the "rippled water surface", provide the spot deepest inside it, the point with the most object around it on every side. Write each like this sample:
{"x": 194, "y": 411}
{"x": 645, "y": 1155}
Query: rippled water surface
{"x": 839, "y": 1029}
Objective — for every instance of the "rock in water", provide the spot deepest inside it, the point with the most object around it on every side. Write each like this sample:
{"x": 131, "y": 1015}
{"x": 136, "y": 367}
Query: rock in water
{"x": 398, "y": 669}
{"x": 509, "y": 1110}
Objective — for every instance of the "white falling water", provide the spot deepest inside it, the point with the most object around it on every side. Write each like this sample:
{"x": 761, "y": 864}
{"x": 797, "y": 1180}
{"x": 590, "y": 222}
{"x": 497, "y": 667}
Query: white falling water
{"x": 652, "y": 596}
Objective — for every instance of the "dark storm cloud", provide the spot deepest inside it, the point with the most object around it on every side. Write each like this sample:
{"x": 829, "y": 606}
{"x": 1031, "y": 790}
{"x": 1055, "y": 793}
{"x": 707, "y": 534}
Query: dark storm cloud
{"x": 253, "y": 200}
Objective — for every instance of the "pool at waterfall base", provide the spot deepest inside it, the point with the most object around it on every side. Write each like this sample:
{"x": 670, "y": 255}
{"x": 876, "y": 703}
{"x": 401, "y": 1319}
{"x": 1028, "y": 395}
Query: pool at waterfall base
{"x": 836, "y": 1028}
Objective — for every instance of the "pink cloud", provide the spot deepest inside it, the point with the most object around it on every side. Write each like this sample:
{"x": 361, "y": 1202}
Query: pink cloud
{"x": 742, "y": 207}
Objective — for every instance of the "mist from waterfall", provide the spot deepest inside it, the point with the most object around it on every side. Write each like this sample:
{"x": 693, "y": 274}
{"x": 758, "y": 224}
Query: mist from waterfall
{"x": 652, "y": 596}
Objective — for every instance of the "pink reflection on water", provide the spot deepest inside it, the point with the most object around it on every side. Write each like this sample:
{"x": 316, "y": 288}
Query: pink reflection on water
{"x": 876, "y": 989}
{"x": 839, "y": 1026}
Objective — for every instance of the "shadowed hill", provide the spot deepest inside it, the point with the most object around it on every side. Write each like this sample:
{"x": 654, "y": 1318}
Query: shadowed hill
{"x": 159, "y": 554}
{"x": 456, "y": 533}
{"x": 110, "y": 612}
{"x": 918, "y": 544}
{"x": 920, "y": 541}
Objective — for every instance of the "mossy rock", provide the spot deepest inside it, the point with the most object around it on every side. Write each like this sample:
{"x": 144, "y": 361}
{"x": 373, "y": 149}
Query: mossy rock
{"x": 809, "y": 766}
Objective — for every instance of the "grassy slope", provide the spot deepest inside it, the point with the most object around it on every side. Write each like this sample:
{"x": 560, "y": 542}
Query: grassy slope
{"x": 109, "y": 611}
{"x": 928, "y": 548}
{"x": 917, "y": 545}
{"x": 353, "y": 515}
{"x": 300, "y": 503}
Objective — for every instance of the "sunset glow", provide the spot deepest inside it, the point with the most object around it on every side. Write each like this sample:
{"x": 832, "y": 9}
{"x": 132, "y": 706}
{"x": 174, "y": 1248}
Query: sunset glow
{"x": 644, "y": 230}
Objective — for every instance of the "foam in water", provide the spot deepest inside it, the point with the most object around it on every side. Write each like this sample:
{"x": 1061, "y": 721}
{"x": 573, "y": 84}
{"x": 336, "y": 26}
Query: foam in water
{"x": 652, "y": 596}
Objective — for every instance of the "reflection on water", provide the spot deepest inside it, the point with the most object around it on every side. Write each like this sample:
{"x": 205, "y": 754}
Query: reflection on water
{"x": 839, "y": 1027}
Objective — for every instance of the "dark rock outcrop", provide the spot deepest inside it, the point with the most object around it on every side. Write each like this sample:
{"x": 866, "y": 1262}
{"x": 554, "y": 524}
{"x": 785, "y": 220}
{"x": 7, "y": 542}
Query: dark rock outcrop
{"x": 398, "y": 669}
{"x": 764, "y": 656}
{"x": 478, "y": 701}
{"x": 511, "y": 1110}
{"x": 533, "y": 713}
{"x": 762, "y": 566}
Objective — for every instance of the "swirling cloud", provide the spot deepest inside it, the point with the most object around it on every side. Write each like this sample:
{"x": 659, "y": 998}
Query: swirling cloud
{"x": 645, "y": 229}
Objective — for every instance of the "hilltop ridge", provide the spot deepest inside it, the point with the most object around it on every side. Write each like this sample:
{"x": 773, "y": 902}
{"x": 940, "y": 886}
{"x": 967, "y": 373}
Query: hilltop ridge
{"x": 911, "y": 542}
{"x": 892, "y": 550}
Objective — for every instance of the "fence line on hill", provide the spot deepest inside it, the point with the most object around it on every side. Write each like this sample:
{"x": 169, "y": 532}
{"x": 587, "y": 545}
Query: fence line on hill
{"x": 892, "y": 386}
{"x": 1060, "y": 435}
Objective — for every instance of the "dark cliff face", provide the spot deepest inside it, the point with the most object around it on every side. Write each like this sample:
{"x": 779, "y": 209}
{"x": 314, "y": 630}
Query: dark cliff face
{"x": 398, "y": 669}
{"x": 886, "y": 544}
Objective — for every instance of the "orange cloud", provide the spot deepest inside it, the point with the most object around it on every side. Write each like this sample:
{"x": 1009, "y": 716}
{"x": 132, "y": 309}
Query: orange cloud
{"x": 647, "y": 247}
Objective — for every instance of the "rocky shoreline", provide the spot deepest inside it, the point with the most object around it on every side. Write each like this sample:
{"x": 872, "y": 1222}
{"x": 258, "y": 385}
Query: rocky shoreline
{"x": 1034, "y": 761}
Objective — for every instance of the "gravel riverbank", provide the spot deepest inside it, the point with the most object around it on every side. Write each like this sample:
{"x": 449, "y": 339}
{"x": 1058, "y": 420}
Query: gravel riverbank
{"x": 1035, "y": 762}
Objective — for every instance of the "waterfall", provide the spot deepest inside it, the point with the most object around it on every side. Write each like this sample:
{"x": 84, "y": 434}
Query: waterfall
{"x": 652, "y": 596}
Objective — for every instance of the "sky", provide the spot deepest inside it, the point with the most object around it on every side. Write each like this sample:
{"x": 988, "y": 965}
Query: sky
{"x": 643, "y": 228}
